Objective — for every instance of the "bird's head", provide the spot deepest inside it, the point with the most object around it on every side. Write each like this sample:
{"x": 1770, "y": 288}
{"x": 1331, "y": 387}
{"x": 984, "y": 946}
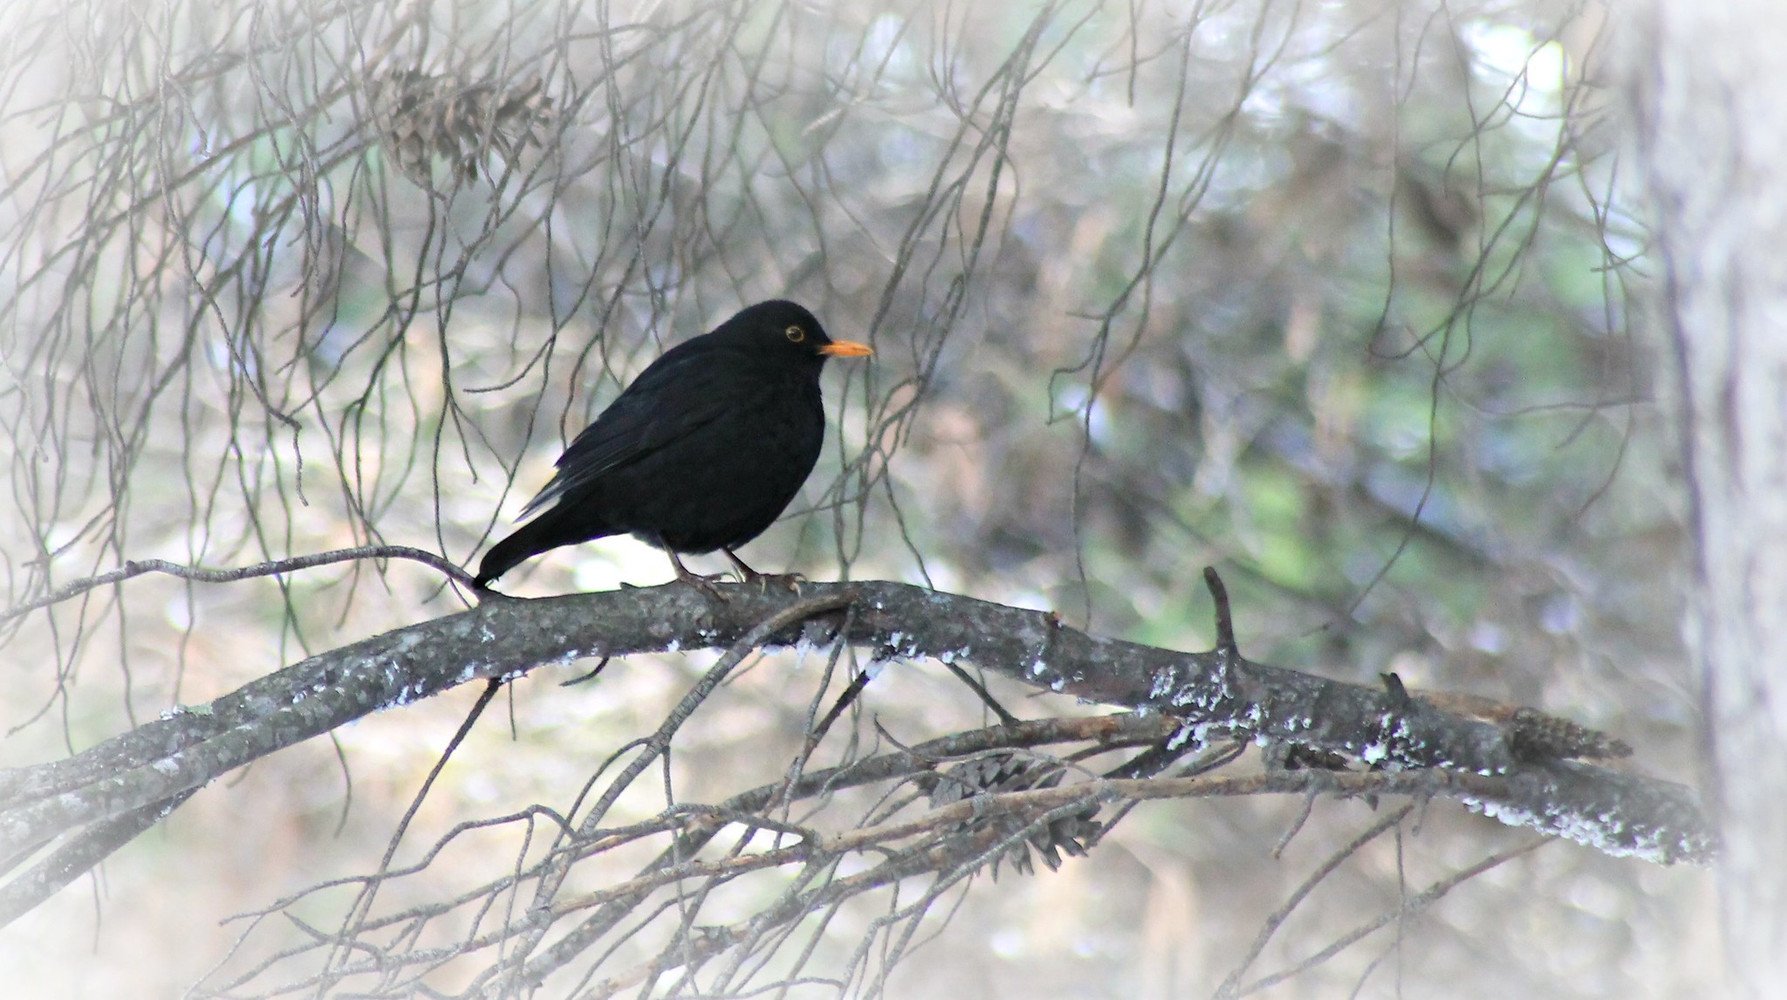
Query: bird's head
{"x": 788, "y": 329}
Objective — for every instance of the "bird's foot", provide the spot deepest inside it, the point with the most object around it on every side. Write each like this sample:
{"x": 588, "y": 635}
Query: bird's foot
{"x": 705, "y": 584}
{"x": 787, "y": 581}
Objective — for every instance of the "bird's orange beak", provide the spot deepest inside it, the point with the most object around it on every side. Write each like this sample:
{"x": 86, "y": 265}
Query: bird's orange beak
{"x": 846, "y": 349}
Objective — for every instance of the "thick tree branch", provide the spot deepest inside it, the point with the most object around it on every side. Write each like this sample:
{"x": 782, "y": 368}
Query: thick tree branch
{"x": 1208, "y": 694}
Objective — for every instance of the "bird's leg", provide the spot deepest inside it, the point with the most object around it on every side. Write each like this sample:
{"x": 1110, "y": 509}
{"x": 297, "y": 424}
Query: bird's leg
{"x": 792, "y": 581}
{"x": 705, "y": 584}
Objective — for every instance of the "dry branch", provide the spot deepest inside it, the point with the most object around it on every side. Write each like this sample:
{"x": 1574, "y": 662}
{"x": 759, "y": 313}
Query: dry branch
{"x": 1205, "y": 695}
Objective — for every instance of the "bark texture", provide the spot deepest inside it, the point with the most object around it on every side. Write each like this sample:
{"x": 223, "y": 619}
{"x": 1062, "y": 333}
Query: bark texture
{"x": 1712, "y": 110}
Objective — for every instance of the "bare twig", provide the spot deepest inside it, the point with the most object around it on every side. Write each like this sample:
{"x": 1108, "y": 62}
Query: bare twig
{"x": 203, "y": 574}
{"x": 1270, "y": 926}
{"x": 1410, "y": 907}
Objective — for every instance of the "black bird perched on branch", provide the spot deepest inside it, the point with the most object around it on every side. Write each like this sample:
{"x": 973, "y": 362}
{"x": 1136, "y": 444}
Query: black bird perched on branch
{"x": 702, "y": 452}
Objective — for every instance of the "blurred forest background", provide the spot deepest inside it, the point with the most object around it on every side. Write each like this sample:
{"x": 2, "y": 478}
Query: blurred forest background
{"x": 1335, "y": 296}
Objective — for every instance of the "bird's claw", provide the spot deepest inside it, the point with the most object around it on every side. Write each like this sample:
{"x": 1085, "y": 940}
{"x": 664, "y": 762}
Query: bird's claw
{"x": 705, "y": 584}
{"x": 787, "y": 581}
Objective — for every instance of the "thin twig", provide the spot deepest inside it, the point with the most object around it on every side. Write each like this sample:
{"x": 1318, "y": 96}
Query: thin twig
{"x": 1276, "y": 919}
{"x": 205, "y": 574}
{"x": 362, "y": 905}
{"x": 1410, "y": 908}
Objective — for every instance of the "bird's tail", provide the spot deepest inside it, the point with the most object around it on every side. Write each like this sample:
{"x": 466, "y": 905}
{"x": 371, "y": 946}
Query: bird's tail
{"x": 548, "y": 531}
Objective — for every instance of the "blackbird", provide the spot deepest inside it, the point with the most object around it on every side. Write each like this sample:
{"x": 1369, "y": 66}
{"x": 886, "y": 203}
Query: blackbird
{"x": 701, "y": 452}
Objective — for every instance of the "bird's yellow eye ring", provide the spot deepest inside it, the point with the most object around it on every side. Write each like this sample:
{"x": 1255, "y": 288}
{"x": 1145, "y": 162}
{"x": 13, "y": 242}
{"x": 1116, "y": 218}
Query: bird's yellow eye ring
{"x": 795, "y": 334}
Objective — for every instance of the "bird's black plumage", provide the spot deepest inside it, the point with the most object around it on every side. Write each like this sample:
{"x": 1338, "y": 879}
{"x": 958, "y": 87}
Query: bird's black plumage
{"x": 701, "y": 452}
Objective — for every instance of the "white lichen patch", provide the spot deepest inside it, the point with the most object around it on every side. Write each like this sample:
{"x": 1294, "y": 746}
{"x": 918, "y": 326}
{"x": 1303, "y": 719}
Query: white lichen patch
{"x": 1603, "y": 833}
{"x": 1163, "y": 683}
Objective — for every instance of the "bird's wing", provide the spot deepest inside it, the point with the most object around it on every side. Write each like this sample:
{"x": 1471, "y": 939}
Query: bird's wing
{"x": 674, "y": 397}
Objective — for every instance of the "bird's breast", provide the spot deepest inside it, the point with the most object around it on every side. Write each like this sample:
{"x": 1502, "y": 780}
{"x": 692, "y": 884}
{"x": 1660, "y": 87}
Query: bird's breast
{"x": 725, "y": 483}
